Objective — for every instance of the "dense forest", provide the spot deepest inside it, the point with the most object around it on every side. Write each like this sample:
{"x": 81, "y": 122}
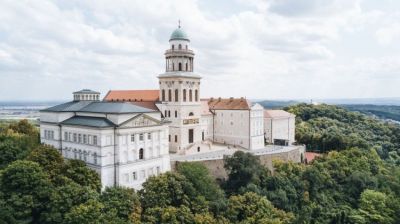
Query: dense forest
{"x": 323, "y": 128}
{"x": 353, "y": 182}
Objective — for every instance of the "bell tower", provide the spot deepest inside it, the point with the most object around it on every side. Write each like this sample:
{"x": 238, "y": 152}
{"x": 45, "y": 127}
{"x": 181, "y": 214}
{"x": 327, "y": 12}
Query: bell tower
{"x": 180, "y": 95}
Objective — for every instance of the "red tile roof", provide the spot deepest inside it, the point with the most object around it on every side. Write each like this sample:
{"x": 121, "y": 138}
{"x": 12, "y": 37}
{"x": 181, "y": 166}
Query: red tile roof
{"x": 132, "y": 95}
{"x": 229, "y": 104}
{"x": 310, "y": 156}
{"x": 277, "y": 114}
{"x": 146, "y": 104}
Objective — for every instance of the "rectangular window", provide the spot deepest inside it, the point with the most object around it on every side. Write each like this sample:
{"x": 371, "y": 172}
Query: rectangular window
{"x": 90, "y": 139}
{"x": 95, "y": 158}
{"x": 134, "y": 175}
{"x": 132, "y": 137}
{"x": 79, "y": 138}
{"x": 94, "y": 140}
{"x": 169, "y": 138}
{"x": 74, "y": 137}
{"x": 65, "y": 136}
{"x": 45, "y": 134}
{"x": 176, "y": 138}
{"x": 141, "y": 137}
{"x": 158, "y": 170}
{"x": 149, "y": 136}
{"x": 84, "y": 139}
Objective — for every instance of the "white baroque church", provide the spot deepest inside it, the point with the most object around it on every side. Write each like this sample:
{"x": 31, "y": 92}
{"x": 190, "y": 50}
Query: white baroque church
{"x": 130, "y": 134}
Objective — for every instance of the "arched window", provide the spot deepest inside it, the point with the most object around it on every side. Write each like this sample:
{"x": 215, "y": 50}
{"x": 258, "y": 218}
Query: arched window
{"x": 180, "y": 46}
{"x": 141, "y": 155}
{"x": 173, "y": 46}
{"x": 176, "y": 113}
{"x": 169, "y": 113}
{"x": 184, "y": 95}
{"x": 163, "y": 95}
{"x": 191, "y": 114}
{"x": 196, "y": 95}
{"x": 190, "y": 96}
{"x": 165, "y": 114}
{"x": 180, "y": 66}
{"x": 169, "y": 95}
{"x": 186, "y": 66}
{"x": 176, "y": 95}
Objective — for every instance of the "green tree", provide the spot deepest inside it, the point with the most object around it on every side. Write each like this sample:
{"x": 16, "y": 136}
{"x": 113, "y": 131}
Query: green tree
{"x": 168, "y": 189}
{"x": 63, "y": 198}
{"x": 91, "y": 212}
{"x": 374, "y": 207}
{"x": 169, "y": 214}
{"x": 24, "y": 127}
{"x": 122, "y": 201}
{"x": 253, "y": 208}
{"x": 77, "y": 171}
{"x": 26, "y": 189}
{"x": 204, "y": 184}
{"x": 243, "y": 169}
{"x": 49, "y": 158}
{"x": 10, "y": 151}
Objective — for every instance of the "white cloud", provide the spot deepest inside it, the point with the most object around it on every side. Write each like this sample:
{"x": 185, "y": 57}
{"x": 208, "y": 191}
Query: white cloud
{"x": 260, "y": 49}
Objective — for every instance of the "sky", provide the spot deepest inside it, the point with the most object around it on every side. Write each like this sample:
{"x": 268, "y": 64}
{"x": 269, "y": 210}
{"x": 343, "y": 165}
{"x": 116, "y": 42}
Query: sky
{"x": 258, "y": 49}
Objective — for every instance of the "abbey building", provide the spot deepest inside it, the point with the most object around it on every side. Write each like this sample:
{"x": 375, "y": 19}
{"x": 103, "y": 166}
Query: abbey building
{"x": 130, "y": 134}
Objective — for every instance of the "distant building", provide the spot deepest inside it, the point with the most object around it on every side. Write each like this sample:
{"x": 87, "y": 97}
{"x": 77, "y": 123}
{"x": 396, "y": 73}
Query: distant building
{"x": 279, "y": 127}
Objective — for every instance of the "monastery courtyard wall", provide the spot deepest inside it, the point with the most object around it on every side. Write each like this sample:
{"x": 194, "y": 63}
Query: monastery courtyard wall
{"x": 215, "y": 163}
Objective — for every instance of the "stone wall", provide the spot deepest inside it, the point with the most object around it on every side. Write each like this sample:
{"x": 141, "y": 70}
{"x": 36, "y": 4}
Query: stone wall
{"x": 216, "y": 167}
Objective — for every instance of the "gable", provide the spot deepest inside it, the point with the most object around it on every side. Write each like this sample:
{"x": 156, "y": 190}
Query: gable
{"x": 140, "y": 120}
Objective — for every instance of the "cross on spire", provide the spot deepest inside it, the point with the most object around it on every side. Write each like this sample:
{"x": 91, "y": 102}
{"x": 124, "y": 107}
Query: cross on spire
{"x": 179, "y": 24}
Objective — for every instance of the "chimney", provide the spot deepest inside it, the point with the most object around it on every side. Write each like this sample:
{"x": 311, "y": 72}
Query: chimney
{"x": 231, "y": 99}
{"x": 219, "y": 98}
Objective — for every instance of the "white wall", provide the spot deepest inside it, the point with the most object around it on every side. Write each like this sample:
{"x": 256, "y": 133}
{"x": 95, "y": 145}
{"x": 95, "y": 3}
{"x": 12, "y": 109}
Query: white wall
{"x": 232, "y": 127}
{"x": 280, "y": 128}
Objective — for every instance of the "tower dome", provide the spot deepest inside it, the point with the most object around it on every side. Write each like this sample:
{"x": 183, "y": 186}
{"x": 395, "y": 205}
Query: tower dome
{"x": 179, "y": 34}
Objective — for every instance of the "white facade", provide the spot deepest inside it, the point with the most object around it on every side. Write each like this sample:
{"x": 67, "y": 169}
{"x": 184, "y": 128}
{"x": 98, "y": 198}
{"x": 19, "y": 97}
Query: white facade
{"x": 240, "y": 127}
{"x": 125, "y": 154}
{"x": 279, "y": 127}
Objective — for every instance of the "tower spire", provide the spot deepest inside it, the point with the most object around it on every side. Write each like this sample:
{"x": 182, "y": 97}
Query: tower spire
{"x": 179, "y": 23}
